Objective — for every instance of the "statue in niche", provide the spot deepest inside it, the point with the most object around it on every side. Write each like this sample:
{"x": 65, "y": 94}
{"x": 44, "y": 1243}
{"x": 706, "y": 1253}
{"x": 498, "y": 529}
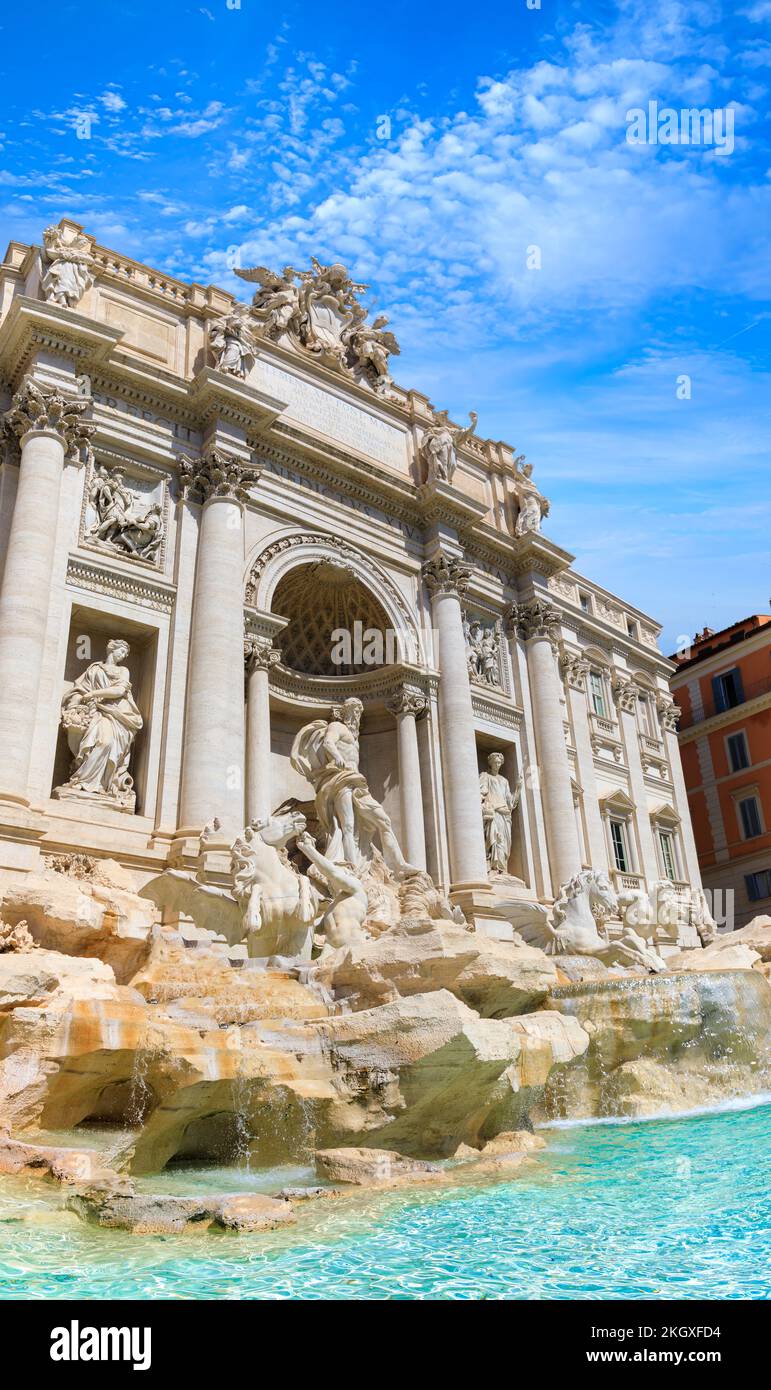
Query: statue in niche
{"x": 101, "y": 719}
{"x": 119, "y": 525}
{"x": 233, "y": 344}
{"x": 533, "y": 506}
{"x": 439, "y": 445}
{"x": 69, "y": 265}
{"x": 499, "y": 803}
{"x": 482, "y": 651}
{"x": 326, "y": 754}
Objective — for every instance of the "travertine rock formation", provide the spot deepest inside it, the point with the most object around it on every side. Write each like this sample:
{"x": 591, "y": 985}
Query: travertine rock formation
{"x": 430, "y": 1042}
{"x": 671, "y": 1043}
{"x": 494, "y": 977}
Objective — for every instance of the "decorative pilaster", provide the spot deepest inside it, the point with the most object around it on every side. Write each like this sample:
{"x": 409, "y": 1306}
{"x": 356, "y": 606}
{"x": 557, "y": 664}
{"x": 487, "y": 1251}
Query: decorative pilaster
{"x": 260, "y": 657}
{"x": 213, "y": 761}
{"x": 626, "y": 693}
{"x": 51, "y": 430}
{"x": 537, "y": 622}
{"x": 447, "y": 580}
{"x": 575, "y": 669}
{"x": 669, "y": 714}
{"x": 407, "y": 705}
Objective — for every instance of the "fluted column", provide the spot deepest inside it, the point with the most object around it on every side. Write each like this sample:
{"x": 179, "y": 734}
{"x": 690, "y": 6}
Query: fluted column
{"x": 406, "y": 706}
{"x": 537, "y": 622}
{"x": 446, "y": 579}
{"x": 260, "y": 656}
{"x": 212, "y": 781}
{"x": 50, "y": 429}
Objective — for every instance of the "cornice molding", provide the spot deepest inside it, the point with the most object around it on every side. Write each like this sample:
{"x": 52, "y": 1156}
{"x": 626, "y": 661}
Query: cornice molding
{"x": 33, "y": 325}
{"x": 113, "y": 583}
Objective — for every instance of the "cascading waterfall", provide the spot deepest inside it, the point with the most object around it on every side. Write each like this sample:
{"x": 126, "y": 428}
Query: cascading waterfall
{"x": 707, "y": 1029}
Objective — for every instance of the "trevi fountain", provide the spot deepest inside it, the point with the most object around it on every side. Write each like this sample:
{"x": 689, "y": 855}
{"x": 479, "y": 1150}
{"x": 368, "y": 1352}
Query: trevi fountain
{"x": 352, "y": 940}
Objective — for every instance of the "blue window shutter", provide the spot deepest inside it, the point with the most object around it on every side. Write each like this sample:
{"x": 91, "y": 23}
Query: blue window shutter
{"x": 718, "y": 695}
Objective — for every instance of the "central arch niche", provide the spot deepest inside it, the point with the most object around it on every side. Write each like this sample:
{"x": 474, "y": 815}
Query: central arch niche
{"x": 336, "y": 625}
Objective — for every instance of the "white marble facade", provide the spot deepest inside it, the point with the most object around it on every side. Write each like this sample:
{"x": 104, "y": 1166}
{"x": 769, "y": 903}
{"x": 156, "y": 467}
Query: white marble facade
{"x": 228, "y": 518}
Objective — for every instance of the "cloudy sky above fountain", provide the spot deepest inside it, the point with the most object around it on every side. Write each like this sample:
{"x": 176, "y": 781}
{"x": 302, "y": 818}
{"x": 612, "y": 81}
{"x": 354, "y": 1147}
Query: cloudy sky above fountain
{"x": 216, "y": 132}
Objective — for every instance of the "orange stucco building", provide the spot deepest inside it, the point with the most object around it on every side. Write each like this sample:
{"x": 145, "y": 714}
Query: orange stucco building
{"x": 723, "y": 687}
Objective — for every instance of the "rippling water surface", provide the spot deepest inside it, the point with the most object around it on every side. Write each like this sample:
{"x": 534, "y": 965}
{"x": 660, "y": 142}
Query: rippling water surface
{"x": 667, "y": 1209}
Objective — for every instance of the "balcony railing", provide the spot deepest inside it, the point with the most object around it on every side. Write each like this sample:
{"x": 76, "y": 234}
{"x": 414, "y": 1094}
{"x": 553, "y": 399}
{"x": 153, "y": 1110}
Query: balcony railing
{"x": 750, "y": 692}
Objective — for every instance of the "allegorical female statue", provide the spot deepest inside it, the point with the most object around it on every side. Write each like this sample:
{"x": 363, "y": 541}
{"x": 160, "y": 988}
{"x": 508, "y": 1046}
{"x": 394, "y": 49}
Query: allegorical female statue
{"x": 498, "y": 805}
{"x": 102, "y": 721}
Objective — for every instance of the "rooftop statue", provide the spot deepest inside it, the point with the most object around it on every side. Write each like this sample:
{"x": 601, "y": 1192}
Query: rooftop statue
{"x": 533, "y": 506}
{"x": 233, "y": 344}
{"x": 439, "y": 445}
{"x": 68, "y": 265}
{"x": 318, "y": 311}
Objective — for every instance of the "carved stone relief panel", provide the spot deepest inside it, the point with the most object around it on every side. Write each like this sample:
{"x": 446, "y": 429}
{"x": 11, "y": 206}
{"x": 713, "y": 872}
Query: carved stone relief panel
{"x": 125, "y": 511}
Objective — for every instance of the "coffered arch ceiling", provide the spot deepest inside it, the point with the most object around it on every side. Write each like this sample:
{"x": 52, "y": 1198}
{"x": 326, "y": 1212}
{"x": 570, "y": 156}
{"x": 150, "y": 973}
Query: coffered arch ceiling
{"x": 322, "y": 598}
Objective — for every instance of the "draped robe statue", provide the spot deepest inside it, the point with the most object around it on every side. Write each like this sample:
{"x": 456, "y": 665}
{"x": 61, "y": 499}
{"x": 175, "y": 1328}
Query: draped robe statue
{"x": 498, "y": 806}
{"x": 102, "y": 721}
{"x": 326, "y": 753}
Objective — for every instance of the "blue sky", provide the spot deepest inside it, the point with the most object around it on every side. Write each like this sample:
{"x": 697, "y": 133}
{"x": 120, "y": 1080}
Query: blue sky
{"x": 218, "y": 132}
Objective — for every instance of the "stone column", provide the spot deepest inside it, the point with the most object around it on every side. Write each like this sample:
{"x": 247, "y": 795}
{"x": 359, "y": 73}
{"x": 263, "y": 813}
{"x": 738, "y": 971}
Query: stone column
{"x": 446, "y": 579}
{"x": 406, "y": 706}
{"x": 50, "y": 429}
{"x": 212, "y": 781}
{"x": 260, "y": 656}
{"x": 537, "y": 621}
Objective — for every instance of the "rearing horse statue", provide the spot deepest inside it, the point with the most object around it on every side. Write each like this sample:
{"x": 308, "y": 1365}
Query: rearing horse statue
{"x": 573, "y": 929}
{"x": 281, "y": 907}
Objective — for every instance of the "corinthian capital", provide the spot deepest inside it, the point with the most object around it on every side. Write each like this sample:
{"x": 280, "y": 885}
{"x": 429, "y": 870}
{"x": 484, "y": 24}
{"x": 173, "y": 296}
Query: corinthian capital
{"x": 217, "y": 474}
{"x": 407, "y": 701}
{"x": 669, "y": 713}
{"x": 625, "y": 693}
{"x": 445, "y": 575}
{"x": 45, "y": 410}
{"x": 574, "y": 670}
{"x": 260, "y": 656}
{"x": 535, "y": 618}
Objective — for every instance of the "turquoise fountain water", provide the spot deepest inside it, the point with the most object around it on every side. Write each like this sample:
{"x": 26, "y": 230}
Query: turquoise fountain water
{"x": 666, "y": 1209}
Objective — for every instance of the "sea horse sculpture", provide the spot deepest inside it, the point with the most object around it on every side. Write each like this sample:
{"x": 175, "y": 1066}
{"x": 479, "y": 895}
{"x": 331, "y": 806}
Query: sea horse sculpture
{"x": 573, "y": 928}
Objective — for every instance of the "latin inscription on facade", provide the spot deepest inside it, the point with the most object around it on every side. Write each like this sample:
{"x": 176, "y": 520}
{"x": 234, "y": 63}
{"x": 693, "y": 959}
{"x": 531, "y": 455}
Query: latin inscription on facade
{"x": 337, "y": 418}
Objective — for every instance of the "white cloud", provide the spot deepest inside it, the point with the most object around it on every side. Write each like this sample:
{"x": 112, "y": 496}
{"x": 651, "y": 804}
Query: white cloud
{"x": 112, "y": 101}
